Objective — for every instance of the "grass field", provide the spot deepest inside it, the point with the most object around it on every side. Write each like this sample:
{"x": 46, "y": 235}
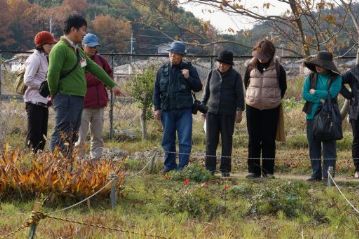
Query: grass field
{"x": 194, "y": 204}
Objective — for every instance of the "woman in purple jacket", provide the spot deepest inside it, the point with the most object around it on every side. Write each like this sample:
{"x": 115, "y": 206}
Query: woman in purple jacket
{"x": 94, "y": 103}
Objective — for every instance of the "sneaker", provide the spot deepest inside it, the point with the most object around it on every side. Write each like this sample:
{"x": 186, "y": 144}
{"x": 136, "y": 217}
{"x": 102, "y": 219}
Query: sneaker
{"x": 356, "y": 174}
{"x": 226, "y": 174}
{"x": 253, "y": 176}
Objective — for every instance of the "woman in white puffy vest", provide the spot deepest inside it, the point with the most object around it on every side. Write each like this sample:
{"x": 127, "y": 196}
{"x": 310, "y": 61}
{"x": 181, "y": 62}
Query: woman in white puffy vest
{"x": 265, "y": 83}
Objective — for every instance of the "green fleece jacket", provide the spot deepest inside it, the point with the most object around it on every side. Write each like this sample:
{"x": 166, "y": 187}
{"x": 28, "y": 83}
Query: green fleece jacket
{"x": 61, "y": 60}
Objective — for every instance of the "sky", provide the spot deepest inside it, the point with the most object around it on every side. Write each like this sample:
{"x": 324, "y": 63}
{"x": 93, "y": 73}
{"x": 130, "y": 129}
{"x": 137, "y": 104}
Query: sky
{"x": 223, "y": 21}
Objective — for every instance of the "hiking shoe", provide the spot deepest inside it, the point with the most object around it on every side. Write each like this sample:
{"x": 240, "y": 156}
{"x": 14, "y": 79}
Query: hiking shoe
{"x": 253, "y": 176}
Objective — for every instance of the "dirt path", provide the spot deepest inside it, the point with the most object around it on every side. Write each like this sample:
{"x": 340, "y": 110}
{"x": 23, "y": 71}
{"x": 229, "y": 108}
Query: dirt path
{"x": 297, "y": 177}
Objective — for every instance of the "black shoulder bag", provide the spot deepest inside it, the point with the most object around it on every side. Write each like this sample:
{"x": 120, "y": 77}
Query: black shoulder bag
{"x": 44, "y": 87}
{"x": 327, "y": 122}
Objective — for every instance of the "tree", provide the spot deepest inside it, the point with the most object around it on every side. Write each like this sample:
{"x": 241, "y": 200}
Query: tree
{"x": 6, "y": 38}
{"x": 75, "y": 6}
{"x": 21, "y": 23}
{"x": 307, "y": 25}
{"x": 112, "y": 32}
{"x": 141, "y": 89}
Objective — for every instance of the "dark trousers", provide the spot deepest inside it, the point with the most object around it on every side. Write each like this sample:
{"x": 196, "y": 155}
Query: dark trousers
{"x": 68, "y": 109}
{"x": 315, "y": 153}
{"x": 262, "y": 128}
{"x": 219, "y": 124}
{"x": 37, "y": 117}
{"x": 355, "y": 145}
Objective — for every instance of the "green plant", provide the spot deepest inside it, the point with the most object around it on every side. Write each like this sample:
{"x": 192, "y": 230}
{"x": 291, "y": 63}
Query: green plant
{"x": 194, "y": 172}
{"x": 141, "y": 89}
{"x": 196, "y": 200}
{"x": 289, "y": 198}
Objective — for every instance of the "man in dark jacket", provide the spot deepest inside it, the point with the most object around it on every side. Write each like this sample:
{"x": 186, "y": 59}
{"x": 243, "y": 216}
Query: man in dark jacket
{"x": 225, "y": 100}
{"x": 94, "y": 102}
{"x": 351, "y": 78}
{"x": 172, "y": 100}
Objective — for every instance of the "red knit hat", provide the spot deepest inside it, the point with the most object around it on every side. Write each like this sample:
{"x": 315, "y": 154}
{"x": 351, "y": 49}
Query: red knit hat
{"x": 43, "y": 38}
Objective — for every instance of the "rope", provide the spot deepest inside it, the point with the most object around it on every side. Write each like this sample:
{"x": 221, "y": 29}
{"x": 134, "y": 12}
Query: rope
{"x": 101, "y": 226}
{"x": 148, "y": 163}
{"x": 341, "y": 193}
{"x": 86, "y": 199}
{"x": 106, "y": 185}
{"x": 15, "y": 231}
{"x": 34, "y": 219}
{"x": 234, "y": 157}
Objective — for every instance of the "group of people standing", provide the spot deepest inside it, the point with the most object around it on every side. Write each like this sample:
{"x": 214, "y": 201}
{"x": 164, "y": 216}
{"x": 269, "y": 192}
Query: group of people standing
{"x": 223, "y": 101}
{"x": 77, "y": 79}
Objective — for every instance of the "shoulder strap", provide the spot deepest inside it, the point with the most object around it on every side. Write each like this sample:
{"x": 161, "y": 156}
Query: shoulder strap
{"x": 332, "y": 78}
{"x": 278, "y": 71}
{"x": 73, "y": 68}
{"x": 313, "y": 77}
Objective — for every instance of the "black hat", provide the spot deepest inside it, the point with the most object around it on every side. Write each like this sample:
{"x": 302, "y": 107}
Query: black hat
{"x": 324, "y": 60}
{"x": 226, "y": 57}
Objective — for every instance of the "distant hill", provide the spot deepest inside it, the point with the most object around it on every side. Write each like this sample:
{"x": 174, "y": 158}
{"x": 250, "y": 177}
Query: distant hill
{"x": 112, "y": 20}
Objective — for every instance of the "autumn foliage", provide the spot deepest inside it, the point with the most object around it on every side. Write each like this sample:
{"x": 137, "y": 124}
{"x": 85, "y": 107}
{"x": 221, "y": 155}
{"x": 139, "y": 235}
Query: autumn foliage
{"x": 47, "y": 173}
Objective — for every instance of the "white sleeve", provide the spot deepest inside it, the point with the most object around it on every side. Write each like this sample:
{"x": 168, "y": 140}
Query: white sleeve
{"x": 32, "y": 65}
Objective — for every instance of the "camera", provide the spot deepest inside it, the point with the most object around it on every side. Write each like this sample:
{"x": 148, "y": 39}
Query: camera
{"x": 198, "y": 106}
{"x": 185, "y": 65}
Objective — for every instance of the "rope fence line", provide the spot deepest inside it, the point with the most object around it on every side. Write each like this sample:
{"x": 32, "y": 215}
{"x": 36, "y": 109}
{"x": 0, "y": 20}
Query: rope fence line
{"x": 101, "y": 189}
{"x": 84, "y": 200}
{"x": 234, "y": 156}
{"x": 36, "y": 217}
{"x": 99, "y": 226}
{"x": 10, "y": 234}
{"x": 341, "y": 193}
{"x": 149, "y": 162}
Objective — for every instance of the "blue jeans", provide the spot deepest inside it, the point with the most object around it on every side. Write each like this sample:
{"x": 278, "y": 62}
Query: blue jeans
{"x": 180, "y": 121}
{"x": 315, "y": 151}
{"x": 68, "y": 111}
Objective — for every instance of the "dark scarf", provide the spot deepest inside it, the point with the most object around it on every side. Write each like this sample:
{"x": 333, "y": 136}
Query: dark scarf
{"x": 262, "y": 66}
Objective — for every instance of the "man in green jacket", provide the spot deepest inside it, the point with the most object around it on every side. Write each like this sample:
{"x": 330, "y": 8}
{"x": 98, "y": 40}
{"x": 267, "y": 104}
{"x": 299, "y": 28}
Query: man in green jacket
{"x": 67, "y": 83}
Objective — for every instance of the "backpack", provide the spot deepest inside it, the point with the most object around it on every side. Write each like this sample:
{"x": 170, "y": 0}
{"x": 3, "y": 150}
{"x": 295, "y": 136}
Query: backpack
{"x": 20, "y": 86}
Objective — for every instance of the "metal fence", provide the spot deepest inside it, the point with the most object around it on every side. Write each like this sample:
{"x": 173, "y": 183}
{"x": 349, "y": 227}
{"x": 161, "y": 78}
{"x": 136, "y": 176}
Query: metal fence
{"x": 123, "y": 115}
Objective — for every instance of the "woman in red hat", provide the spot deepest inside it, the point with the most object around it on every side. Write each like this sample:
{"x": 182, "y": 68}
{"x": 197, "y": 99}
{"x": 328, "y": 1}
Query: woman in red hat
{"x": 36, "y": 105}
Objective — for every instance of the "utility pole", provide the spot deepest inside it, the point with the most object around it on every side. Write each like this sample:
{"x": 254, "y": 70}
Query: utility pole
{"x": 132, "y": 50}
{"x": 50, "y": 25}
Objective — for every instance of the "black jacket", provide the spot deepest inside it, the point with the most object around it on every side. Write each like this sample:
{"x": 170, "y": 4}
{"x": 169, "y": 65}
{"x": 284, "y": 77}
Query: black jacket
{"x": 224, "y": 92}
{"x": 351, "y": 78}
{"x": 172, "y": 91}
